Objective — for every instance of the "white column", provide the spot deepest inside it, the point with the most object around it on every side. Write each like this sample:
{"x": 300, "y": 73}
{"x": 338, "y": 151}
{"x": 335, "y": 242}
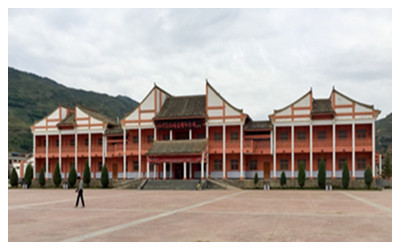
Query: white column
{"x": 206, "y": 130}
{"x": 148, "y": 170}
{"x": 103, "y": 160}
{"x": 76, "y": 151}
{"x": 311, "y": 151}
{"x": 241, "y": 151}
{"x": 47, "y": 156}
{"x": 190, "y": 134}
{"x": 59, "y": 151}
{"x": 373, "y": 149}
{"x": 353, "y": 151}
{"x": 154, "y": 171}
{"x": 34, "y": 156}
{"x": 124, "y": 156}
{"x": 140, "y": 153}
{"x": 223, "y": 152}
{"x": 164, "y": 171}
{"x": 90, "y": 151}
{"x": 190, "y": 170}
{"x": 170, "y": 170}
{"x": 170, "y": 134}
{"x": 292, "y": 150}
{"x": 184, "y": 170}
{"x": 274, "y": 155}
{"x": 380, "y": 164}
{"x": 155, "y": 134}
{"x": 202, "y": 166}
{"x": 207, "y": 170}
{"x": 334, "y": 150}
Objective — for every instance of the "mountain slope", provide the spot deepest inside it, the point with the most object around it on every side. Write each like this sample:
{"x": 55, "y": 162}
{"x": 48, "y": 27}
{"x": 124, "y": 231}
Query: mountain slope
{"x": 31, "y": 98}
{"x": 384, "y": 134}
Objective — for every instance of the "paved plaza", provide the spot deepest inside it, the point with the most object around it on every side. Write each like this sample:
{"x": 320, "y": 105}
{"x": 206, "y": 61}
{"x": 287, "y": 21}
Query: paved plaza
{"x": 209, "y": 215}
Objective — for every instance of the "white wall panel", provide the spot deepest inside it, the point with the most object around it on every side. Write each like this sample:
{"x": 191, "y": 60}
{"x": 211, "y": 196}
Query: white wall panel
{"x": 344, "y": 110}
{"x": 286, "y": 111}
{"x": 149, "y": 102}
{"x": 80, "y": 113}
{"x": 302, "y": 112}
{"x": 230, "y": 111}
{"x": 215, "y": 112}
{"x": 360, "y": 108}
{"x": 304, "y": 102}
{"x": 213, "y": 98}
{"x": 341, "y": 100}
{"x": 147, "y": 116}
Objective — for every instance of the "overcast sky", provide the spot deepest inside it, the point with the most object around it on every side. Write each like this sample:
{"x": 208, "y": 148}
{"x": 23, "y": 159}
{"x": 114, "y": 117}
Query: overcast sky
{"x": 258, "y": 59}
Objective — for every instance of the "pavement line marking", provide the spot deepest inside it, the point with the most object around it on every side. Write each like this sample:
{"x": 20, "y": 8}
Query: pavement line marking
{"x": 372, "y": 204}
{"x": 140, "y": 221}
{"x": 57, "y": 201}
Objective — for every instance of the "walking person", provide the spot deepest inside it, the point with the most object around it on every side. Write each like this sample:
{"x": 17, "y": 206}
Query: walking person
{"x": 79, "y": 189}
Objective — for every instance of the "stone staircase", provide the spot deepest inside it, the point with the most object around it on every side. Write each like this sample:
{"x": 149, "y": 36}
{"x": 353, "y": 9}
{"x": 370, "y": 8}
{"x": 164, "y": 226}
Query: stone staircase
{"x": 125, "y": 184}
{"x": 170, "y": 185}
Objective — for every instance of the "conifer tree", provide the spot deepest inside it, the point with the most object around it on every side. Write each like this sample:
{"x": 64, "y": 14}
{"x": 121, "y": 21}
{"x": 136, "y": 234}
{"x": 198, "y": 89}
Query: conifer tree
{"x": 14, "y": 178}
{"x": 28, "y": 175}
{"x": 345, "y": 176}
{"x": 42, "y": 180}
{"x": 72, "y": 176}
{"x": 57, "y": 175}
{"x": 301, "y": 177}
{"x": 104, "y": 177}
{"x": 368, "y": 177}
{"x": 321, "y": 174}
{"x": 86, "y": 174}
{"x": 283, "y": 179}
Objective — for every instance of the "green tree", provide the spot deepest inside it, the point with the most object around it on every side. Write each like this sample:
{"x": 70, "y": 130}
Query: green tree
{"x": 255, "y": 178}
{"x": 86, "y": 174}
{"x": 42, "y": 180}
{"x": 283, "y": 179}
{"x": 72, "y": 176}
{"x": 321, "y": 174}
{"x": 345, "y": 176}
{"x": 387, "y": 166}
{"x": 14, "y": 178}
{"x": 301, "y": 176}
{"x": 104, "y": 177}
{"x": 28, "y": 175}
{"x": 57, "y": 175}
{"x": 368, "y": 177}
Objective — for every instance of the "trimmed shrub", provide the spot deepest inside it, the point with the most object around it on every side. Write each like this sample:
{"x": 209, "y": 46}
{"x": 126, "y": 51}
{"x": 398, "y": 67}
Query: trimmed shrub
{"x": 301, "y": 177}
{"x": 387, "y": 166}
{"x": 321, "y": 174}
{"x": 345, "y": 176}
{"x": 57, "y": 175}
{"x": 255, "y": 178}
{"x": 86, "y": 174}
{"x": 14, "y": 178}
{"x": 28, "y": 175}
{"x": 42, "y": 180}
{"x": 72, "y": 176}
{"x": 368, "y": 177}
{"x": 104, "y": 176}
{"x": 283, "y": 179}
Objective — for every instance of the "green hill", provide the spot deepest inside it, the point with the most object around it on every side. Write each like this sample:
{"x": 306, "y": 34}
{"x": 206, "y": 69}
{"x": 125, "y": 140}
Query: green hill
{"x": 384, "y": 134}
{"x": 31, "y": 98}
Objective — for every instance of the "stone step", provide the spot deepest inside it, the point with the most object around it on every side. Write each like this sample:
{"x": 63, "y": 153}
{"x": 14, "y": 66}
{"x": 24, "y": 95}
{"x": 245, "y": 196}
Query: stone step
{"x": 171, "y": 185}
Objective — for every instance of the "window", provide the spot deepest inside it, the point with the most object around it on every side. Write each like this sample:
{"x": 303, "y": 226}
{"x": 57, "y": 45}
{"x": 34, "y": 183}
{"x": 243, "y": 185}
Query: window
{"x": 57, "y": 143}
{"x": 135, "y": 166}
{"x": 86, "y": 142}
{"x": 234, "y": 136}
{"x": 44, "y": 143}
{"x": 284, "y": 136}
{"x": 284, "y": 164}
{"x": 321, "y": 135}
{"x": 201, "y": 136}
{"x": 301, "y": 161}
{"x": 342, "y": 134}
{"x": 166, "y": 137}
{"x": 72, "y": 142}
{"x": 234, "y": 164}
{"x": 342, "y": 163}
{"x": 301, "y": 135}
{"x": 135, "y": 139}
{"x": 217, "y": 165}
{"x": 253, "y": 164}
{"x": 361, "y": 133}
{"x": 99, "y": 167}
{"x": 361, "y": 163}
{"x": 217, "y": 136}
{"x": 100, "y": 141}
{"x": 150, "y": 138}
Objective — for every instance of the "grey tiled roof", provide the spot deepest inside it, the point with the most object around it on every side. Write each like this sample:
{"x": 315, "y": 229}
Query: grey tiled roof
{"x": 196, "y": 146}
{"x": 69, "y": 120}
{"x": 322, "y": 106}
{"x": 258, "y": 125}
{"x": 114, "y": 130}
{"x": 183, "y": 106}
{"x": 95, "y": 114}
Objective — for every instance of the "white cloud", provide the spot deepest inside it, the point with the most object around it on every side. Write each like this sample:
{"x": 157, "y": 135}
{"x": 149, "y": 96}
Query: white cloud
{"x": 258, "y": 59}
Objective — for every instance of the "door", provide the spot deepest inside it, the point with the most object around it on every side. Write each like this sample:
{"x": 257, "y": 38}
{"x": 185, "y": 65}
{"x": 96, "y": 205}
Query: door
{"x": 115, "y": 171}
{"x": 267, "y": 170}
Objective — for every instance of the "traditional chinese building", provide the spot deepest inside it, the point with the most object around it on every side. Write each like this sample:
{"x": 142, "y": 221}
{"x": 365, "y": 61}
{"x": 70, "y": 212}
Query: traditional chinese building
{"x": 205, "y": 136}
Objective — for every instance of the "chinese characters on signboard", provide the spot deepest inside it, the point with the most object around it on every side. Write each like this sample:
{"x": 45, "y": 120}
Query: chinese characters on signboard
{"x": 179, "y": 124}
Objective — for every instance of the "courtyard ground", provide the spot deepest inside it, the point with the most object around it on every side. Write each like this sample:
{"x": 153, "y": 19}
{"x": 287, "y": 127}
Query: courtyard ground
{"x": 209, "y": 215}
